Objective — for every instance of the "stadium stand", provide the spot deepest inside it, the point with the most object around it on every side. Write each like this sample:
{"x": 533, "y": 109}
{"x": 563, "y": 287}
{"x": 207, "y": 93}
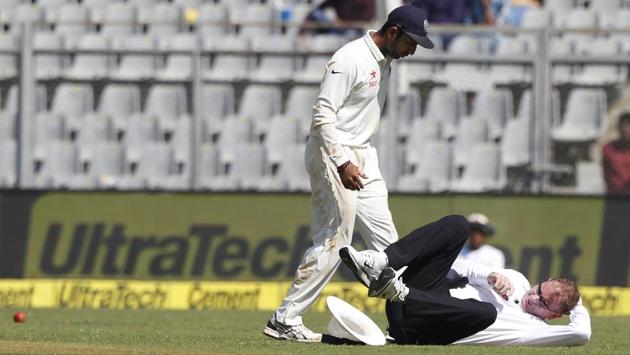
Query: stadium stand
{"x": 124, "y": 100}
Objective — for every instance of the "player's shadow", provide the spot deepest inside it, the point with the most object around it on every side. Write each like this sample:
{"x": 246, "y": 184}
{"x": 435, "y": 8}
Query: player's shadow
{"x": 333, "y": 340}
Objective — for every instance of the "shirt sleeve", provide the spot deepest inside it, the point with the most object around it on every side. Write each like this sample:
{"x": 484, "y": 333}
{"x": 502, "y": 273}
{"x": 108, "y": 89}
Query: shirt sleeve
{"x": 477, "y": 274}
{"x": 339, "y": 80}
{"x": 577, "y": 332}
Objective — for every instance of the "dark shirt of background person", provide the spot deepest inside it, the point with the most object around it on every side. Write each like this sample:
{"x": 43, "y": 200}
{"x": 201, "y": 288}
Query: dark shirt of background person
{"x": 352, "y": 10}
{"x": 616, "y": 160}
{"x": 443, "y": 11}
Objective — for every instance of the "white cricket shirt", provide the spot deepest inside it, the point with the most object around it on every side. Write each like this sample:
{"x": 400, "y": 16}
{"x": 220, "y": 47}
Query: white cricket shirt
{"x": 513, "y": 325}
{"x": 352, "y": 94}
{"x": 485, "y": 255}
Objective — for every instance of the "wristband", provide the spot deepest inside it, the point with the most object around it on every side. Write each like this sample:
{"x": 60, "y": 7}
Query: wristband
{"x": 342, "y": 167}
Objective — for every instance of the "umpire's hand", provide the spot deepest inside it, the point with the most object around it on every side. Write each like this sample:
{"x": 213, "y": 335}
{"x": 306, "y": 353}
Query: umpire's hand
{"x": 351, "y": 175}
{"x": 501, "y": 285}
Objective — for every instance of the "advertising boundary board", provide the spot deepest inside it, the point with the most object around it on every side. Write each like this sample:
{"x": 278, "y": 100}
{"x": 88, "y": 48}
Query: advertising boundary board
{"x": 241, "y": 296}
{"x": 262, "y": 236}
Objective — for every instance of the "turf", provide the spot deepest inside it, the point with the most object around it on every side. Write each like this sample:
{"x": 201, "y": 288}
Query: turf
{"x": 167, "y": 332}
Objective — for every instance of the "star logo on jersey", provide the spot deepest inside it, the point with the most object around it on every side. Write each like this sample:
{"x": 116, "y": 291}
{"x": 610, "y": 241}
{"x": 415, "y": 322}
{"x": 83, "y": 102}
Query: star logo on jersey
{"x": 373, "y": 74}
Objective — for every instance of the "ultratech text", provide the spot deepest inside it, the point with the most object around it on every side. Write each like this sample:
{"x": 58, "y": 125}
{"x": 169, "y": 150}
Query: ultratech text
{"x": 99, "y": 250}
{"x": 79, "y": 295}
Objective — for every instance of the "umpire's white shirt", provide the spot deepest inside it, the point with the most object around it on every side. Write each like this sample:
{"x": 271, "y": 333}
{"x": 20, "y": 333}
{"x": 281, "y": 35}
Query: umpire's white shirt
{"x": 351, "y": 97}
{"x": 514, "y": 326}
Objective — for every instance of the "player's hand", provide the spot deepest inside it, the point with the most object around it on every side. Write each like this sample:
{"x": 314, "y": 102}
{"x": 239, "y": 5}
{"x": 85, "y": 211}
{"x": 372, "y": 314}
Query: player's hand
{"x": 351, "y": 177}
{"x": 501, "y": 285}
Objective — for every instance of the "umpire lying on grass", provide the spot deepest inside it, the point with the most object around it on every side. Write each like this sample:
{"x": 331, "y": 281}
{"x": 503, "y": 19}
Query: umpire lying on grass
{"x": 425, "y": 306}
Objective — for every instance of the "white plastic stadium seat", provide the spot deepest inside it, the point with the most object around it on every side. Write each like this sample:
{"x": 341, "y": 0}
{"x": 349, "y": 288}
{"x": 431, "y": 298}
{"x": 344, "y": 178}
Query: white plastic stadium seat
{"x": 434, "y": 172}
{"x": 622, "y": 21}
{"x": 8, "y": 61}
{"x": 563, "y": 73}
{"x": 259, "y": 104}
{"x": 8, "y": 10}
{"x": 94, "y": 128}
{"x": 559, "y": 9}
{"x": 510, "y": 73}
{"x": 8, "y": 163}
{"x": 483, "y": 172}
{"x": 602, "y": 74}
{"x": 228, "y": 66}
{"x": 47, "y": 66}
{"x": 88, "y": 66}
{"x": 581, "y": 19}
{"x": 119, "y": 20}
{"x": 273, "y": 67}
{"x": 178, "y": 66}
{"x": 324, "y": 46}
{"x": 208, "y": 166}
{"x": 72, "y": 23}
{"x": 493, "y": 106}
{"x": 589, "y": 178}
{"x": 211, "y": 20}
{"x": 217, "y": 103}
{"x": 155, "y": 167}
{"x": 584, "y": 117}
{"x": 470, "y": 132}
{"x": 97, "y": 9}
{"x": 244, "y": 172}
{"x": 136, "y": 66}
{"x": 299, "y": 107}
{"x": 606, "y": 11}
{"x": 141, "y": 130}
{"x": 167, "y": 103}
{"x": 515, "y": 145}
{"x": 420, "y": 132}
{"x": 72, "y": 102}
{"x": 60, "y": 167}
{"x": 446, "y": 106}
{"x": 254, "y": 19}
{"x": 106, "y": 164}
{"x": 119, "y": 102}
{"x": 30, "y": 13}
{"x": 162, "y": 19}
{"x": 235, "y": 132}
{"x": 467, "y": 77}
{"x": 283, "y": 133}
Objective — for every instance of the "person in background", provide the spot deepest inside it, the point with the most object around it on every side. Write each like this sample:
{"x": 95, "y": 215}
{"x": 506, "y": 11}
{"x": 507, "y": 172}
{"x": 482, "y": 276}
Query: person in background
{"x": 477, "y": 250}
{"x": 343, "y": 16}
{"x": 511, "y": 13}
{"x": 614, "y": 247}
{"x": 616, "y": 160}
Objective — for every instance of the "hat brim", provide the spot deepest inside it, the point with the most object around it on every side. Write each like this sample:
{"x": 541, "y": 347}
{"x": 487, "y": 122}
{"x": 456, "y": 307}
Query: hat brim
{"x": 355, "y": 322}
{"x": 423, "y": 41}
{"x": 486, "y": 229}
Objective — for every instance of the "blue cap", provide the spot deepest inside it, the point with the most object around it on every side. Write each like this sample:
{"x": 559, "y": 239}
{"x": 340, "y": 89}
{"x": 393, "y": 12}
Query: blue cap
{"x": 411, "y": 20}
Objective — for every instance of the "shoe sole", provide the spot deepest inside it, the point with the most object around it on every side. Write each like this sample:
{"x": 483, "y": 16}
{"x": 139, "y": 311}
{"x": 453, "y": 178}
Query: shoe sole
{"x": 346, "y": 257}
{"x": 377, "y": 288}
{"x": 270, "y": 332}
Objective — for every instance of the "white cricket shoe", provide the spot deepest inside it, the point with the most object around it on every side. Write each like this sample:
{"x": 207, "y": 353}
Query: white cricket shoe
{"x": 298, "y": 332}
{"x": 365, "y": 265}
{"x": 389, "y": 286}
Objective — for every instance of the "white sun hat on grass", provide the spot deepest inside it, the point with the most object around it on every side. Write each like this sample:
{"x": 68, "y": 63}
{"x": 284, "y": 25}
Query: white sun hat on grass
{"x": 350, "y": 323}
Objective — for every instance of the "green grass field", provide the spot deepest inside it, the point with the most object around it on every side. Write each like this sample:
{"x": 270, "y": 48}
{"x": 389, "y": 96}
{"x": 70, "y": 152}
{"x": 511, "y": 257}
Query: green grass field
{"x": 168, "y": 332}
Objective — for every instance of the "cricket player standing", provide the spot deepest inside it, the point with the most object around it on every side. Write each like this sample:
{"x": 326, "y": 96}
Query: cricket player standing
{"x": 346, "y": 182}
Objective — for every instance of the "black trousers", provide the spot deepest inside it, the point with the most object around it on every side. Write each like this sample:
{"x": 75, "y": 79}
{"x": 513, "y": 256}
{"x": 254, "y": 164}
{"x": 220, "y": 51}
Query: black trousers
{"x": 429, "y": 315}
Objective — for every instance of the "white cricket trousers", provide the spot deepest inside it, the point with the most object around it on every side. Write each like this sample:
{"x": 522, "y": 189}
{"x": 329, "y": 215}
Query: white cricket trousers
{"x": 334, "y": 212}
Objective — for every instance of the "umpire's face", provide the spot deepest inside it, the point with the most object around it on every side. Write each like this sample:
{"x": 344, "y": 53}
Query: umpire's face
{"x": 544, "y": 301}
{"x": 399, "y": 44}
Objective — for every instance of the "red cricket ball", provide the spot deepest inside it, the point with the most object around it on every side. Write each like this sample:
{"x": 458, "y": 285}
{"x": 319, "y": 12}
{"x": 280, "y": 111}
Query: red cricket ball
{"x": 19, "y": 317}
